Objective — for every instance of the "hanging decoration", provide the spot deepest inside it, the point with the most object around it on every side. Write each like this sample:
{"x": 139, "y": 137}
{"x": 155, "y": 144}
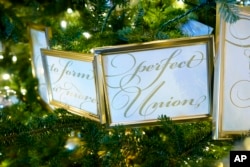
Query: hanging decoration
{"x": 232, "y": 76}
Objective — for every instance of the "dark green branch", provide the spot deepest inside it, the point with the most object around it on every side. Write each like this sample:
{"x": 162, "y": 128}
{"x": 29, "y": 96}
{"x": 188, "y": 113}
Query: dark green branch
{"x": 107, "y": 17}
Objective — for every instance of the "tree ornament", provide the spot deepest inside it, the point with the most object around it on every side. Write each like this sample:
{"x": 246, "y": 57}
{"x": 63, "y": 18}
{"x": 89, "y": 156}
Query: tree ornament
{"x": 73, "y": 142}
{"x": 7, "y": 98}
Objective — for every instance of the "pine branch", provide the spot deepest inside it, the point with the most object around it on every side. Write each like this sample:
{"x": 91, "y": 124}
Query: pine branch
{"x": 17, "y": 132}
{"x": 229, "y": 11}
{"x": 176, "y": 19}
{"x": 139, "y": 17}
{"x": 107, "y": 17}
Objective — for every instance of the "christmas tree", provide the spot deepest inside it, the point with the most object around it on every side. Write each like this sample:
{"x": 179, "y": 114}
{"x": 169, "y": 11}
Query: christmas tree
{"x": 33, "y": 135}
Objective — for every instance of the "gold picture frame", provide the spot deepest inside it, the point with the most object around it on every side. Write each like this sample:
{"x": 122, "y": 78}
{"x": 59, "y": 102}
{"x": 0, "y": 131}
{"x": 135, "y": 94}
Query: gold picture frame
{"x": 137, "y": 83}
{"x": 39, "y": 36}
{"x": 232, "y": 76}
{"x": 71, "y": 82}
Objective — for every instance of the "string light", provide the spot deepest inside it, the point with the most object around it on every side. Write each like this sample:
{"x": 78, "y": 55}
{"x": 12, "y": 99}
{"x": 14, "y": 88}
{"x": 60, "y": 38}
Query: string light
{"x": 86, "y": 35}
{"x": 104, "y": 14}
{"x": 6, "y": 87}
{"x": 90, "y": 7}
{"x": 180, "y": 4}
{"x": 63, "y": 24}
{"x": 69, "y": 11}
{"x": 6, "y": 76}
{"x": 23, "y": 91}
{"x": 14, "y": 59}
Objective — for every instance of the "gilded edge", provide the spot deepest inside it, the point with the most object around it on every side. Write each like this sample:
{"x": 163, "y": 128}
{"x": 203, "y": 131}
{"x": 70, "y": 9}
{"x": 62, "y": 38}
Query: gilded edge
{"x": 48, "y": 34}
{"x": 105, "y": 51}
{"x": 74, "y": 56}
{"x": 219, "y": 67}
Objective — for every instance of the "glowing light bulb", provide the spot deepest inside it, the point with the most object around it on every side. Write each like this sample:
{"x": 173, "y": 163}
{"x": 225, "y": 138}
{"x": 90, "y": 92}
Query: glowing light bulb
{"x": 86, "y": 35}
{"x": 6, "y": 87}
{"x": 14, "y": 59}
{"x": 23, "y": 91}
{"x": 69, "y": 11}
{"x": 104, "y": 14}
{"x": 6, "y": 76}
{"x": 180, "y": 4}
{"x": 63, "y": 24}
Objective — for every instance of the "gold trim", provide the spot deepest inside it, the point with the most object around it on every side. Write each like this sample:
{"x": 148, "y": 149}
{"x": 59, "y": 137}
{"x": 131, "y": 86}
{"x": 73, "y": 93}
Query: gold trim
{"x": 48, "y": 35}
{"x": 89, "y": 58}
{"x": 218, "y": 129}
{"x": 102, "y": 52}
{"x": 245, "y": 10}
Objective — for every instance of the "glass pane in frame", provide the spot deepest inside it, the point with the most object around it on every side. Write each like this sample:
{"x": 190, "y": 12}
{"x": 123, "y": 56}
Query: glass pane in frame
{"x": 71, "y": 82}
{"x": 39, "y": 36}
{"x": 232, "y": 76}
{"x": 141, "y": 82}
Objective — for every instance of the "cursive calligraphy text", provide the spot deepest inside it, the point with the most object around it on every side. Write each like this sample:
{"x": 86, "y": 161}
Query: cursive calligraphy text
{"x": 65, "y": 70}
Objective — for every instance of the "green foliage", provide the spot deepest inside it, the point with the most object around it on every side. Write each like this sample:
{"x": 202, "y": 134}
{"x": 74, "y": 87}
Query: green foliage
{"x": 39, "y": 138}
{"x": 32, "y": 135}
{"x": 145, "y": 20}
{"x": 20, "y": 71}
{"x": 9, "y": 25}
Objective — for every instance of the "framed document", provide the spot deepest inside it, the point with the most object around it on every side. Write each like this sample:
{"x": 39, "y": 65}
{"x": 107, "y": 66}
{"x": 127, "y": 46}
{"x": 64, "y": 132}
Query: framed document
{"x": 232, "y": 76}
{"x": 141, "y": 82}
{"x": 71, "y": 82}
{"x": 39, "y": 36}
